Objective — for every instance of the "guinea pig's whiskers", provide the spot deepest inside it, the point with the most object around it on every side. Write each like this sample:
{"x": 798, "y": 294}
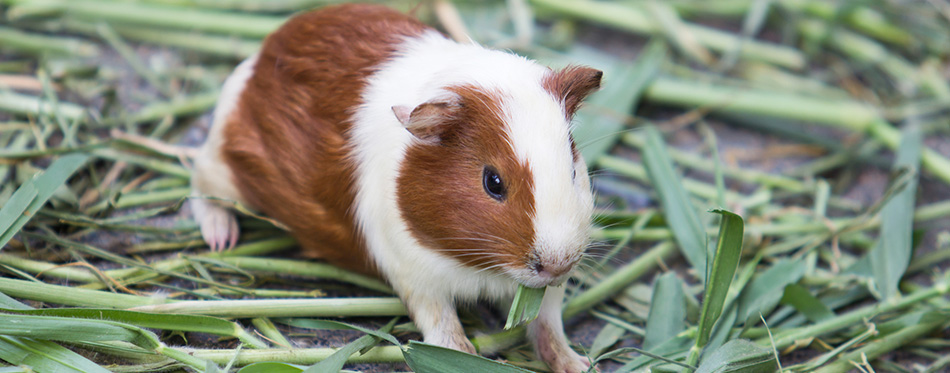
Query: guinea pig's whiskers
{"x": 465, "y": 239}
{"x": 489, "y": 236}
{"x": 630, "y": 120}
{"x": 491, "y": 267}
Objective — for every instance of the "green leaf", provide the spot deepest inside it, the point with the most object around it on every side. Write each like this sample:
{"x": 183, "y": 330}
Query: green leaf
{"x": 525, "y": 307}
{"x": 608, "y": 336}
{"x": 680, "y": 214}
{"x": 14, "y": 209}
{"x": 34, "y": 193}
{"x": 335, "y": 362}
{"x": 890, "y": 256}
{"x": 739, "y": 355}
{"x": 336, "y": 325}
{"x": 667, "y": 316}
{"x": 75, "y": 330}
{"x": 803, "y": 301}
{"x": 670, "y": 349}
{"x": 766, "y": 289}
{"x": 728, "y": 251}
{"x": 44, "y": 356}
{"x": 272, "y": 367}
{"x": 185, "y": 323}
{"x": 425, "y": 358}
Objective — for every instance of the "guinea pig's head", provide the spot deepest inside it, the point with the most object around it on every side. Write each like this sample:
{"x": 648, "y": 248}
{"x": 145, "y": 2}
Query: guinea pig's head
{"x": 494, "y": 179}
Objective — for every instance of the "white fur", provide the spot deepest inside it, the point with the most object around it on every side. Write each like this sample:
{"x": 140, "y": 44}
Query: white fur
{"x": 211, "y": 176}
{"x": 539, "y": 135}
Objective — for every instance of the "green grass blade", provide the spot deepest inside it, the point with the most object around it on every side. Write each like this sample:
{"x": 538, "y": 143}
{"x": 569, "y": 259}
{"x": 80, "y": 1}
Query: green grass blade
{"x": 724, "y": 264}
{"x": 891, "y": 255}
{"x": 249, "y": 308}
{"x": 336, "y": 325}
{"x": 14, "y": 210}
{"x": 165, "y": 16}
{"x": 186, "y": 323}
{"x": 739, "y": 355}
{"x": 75, "y": 330}
{"x": 671, "y": 349}
{"x": 667, "y": 316}
{"x": 803, "y": 301}
{"x": 766, "y": 289}
{"x": 680, "y": 214}
{"x": 71, "y": 296}
{"x": 45, "y": 184}
{"x": 608, "y": 336}
{"x": 525, "y": 306}
{"x": 423, "y": 357}
{"x": 45, "y": 356}
{"x": 335, "y": 362}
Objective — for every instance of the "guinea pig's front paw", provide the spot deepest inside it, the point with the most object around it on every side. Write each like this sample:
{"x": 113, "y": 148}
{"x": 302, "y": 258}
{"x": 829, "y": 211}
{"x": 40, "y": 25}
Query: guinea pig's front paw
{"x": 567, "y": 362}
{"x": 454, "y": 341}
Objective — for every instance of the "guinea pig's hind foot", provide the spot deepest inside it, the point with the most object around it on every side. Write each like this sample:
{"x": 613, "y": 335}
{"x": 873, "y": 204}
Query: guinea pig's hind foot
{"x": 219, "y": 227}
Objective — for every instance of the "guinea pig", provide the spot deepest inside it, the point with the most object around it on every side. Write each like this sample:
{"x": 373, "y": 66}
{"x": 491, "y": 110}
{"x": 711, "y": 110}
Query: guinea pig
{"x": 446, "y": 169}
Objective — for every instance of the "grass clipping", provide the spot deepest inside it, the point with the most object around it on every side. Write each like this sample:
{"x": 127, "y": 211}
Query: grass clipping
{"x": 525, "y": 307}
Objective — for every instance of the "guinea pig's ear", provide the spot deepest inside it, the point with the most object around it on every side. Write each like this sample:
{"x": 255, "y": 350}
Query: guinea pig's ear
{"x": 572, "y": 85}
{"x": 428, "y": 121}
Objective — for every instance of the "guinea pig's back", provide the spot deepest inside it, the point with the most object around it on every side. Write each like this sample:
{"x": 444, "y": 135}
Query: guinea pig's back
{"x": 285, "y": 141}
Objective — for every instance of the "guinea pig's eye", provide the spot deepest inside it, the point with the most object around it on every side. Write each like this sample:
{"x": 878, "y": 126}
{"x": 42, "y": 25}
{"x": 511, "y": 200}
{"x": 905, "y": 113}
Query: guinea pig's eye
{"x": 574, "y": 174}
{"x": 494, "y": 186}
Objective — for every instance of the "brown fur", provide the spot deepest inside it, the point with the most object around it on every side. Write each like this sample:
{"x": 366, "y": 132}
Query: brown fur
{"x": 286, "y": 143}
{"x": 440, "y": 192}
{"x": 572, "y": 85}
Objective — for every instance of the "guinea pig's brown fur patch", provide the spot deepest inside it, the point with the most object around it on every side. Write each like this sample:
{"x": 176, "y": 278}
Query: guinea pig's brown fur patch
{"x": 441, "y": 195}
{"x": 287, "y": 139}
{"x": 572, "y": 85}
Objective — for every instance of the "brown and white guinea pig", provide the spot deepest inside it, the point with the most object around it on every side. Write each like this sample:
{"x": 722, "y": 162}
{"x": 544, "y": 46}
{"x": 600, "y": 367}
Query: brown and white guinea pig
{"x": 447, "y": 169}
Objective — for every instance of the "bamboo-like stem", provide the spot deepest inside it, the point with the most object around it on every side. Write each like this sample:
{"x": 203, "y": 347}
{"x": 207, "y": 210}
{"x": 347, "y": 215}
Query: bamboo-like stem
{"x": 308, "y": 269}
{"x": 921, "y": 214}
{"x": 629, "y": 18}
{"x": 154, "y": 164}
{"x": 72, "y": 296}
{"x": 329, "y": 307}
{"x": 637, "y": 171}
{"x": 142, "y": 198}
{"x": 787, "y": 338}
{"x": 180, "y": 106}
{"x": 746, "y": 175}
{"x": 269, "y": 330}
{"x": 19, "y": 41}
{"x": 304, "y": 356}
{"x": 225, "y": 46}
{"x": 861, "y": 18}
{"x": 109, "y": 34}
{"x": 48, "y": 269}
{"x": 183, "y": 356}
{"x": 29, "y": 105}
{"x": 882, "y": 346}
{"x": 141, "y": 14}
{"x": 847, "y": 114}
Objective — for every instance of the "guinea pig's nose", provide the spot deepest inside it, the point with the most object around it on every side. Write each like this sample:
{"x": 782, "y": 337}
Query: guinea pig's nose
{"x": 551, "y": 270}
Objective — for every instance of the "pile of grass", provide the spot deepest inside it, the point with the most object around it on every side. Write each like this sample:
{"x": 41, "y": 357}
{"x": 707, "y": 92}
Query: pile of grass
{"x": 102, "y": 272}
